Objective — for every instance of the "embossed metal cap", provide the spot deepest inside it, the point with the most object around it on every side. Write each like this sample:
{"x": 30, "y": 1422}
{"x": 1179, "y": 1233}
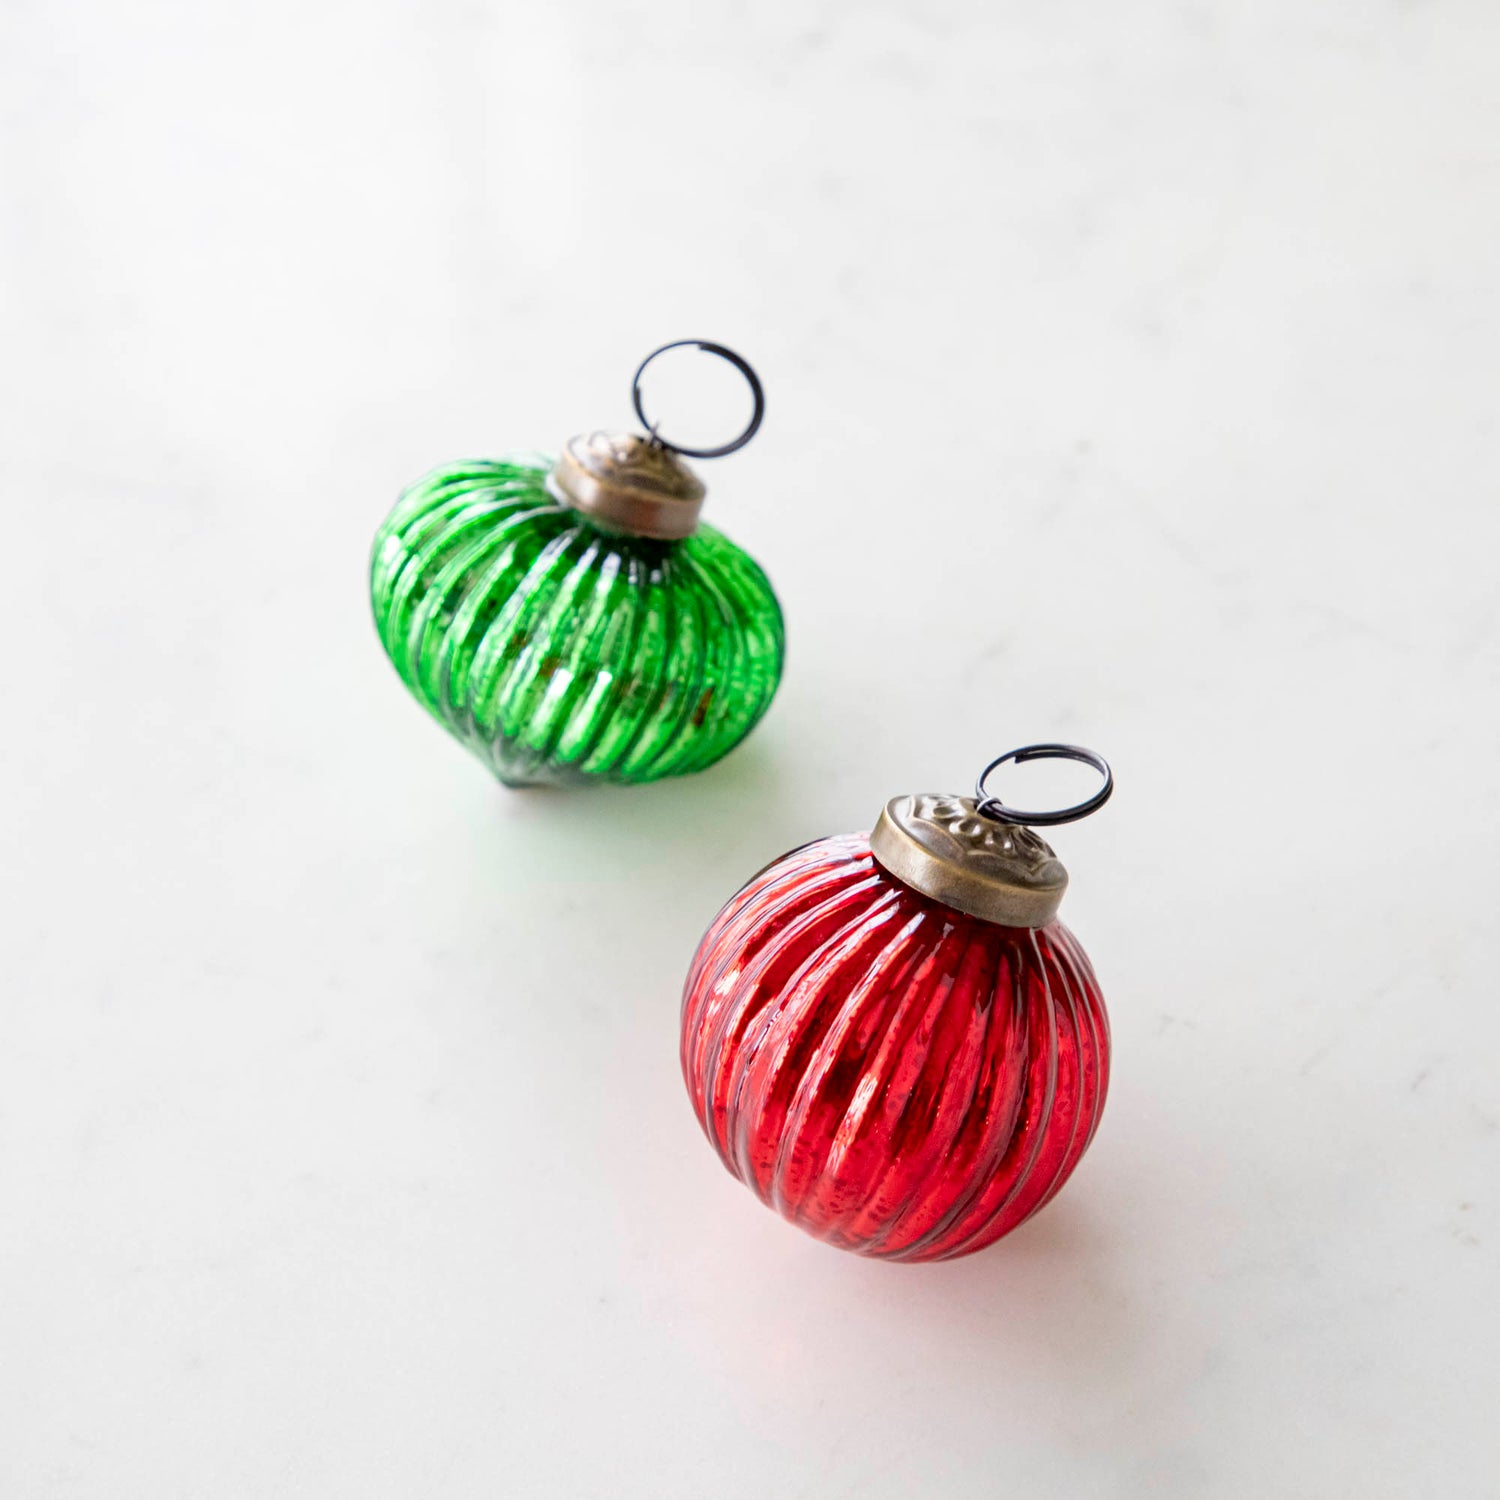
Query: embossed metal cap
{"x": 629, "y": 483}
{"x": 945, "y": 848}
{"x": 639, "y": 485}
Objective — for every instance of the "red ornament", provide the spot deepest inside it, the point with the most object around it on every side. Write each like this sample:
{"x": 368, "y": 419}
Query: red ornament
{"x": 881, "y": 1062}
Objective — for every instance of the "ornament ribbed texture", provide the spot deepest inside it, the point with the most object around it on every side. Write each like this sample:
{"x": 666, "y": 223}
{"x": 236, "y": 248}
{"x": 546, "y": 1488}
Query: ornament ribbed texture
{"x": 896, "y": 1077}
{"x": 557, "y": 651}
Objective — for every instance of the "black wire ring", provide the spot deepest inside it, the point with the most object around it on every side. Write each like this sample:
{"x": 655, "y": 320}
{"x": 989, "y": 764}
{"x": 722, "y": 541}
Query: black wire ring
{"x": 993, "y": 807}
{"x": 740, "y": 364}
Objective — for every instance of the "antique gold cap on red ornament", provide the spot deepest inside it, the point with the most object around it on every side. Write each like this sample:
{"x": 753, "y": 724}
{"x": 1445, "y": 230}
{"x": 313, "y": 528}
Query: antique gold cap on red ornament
{"x": 944, "y": 847}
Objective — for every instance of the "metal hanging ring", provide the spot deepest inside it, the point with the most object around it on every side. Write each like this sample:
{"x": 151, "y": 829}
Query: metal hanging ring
{"x": 993, "y": 807}
{"x": 757, "y": 393}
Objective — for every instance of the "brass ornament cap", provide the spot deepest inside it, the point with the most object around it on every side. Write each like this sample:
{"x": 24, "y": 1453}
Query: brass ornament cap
{"x": 629, "y": 484}
{"x": 944, "y": 848}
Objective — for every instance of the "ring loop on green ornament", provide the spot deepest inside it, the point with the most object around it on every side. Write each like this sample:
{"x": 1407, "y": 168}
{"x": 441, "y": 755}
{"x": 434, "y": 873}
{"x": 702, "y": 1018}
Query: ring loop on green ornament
{"x": 757, "y": 396}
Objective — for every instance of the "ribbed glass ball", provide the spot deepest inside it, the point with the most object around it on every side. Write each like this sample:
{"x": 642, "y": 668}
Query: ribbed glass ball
{"x": 896, "y": 1077}
{"x": 558, "y": 651}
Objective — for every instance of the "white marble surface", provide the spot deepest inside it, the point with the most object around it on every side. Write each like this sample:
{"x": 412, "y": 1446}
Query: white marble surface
{"x": 1147, "y": 351}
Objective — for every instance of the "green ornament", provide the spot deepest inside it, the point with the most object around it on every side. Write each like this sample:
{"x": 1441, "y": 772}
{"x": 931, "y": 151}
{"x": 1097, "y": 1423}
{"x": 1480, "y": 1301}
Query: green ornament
{"x": 575, "y": 622}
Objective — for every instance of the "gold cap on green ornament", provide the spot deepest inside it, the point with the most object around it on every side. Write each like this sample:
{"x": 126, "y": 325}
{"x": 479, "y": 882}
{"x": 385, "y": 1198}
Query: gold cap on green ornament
{"x": 629, "y": 483}
{"x": 638, "y": 484}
